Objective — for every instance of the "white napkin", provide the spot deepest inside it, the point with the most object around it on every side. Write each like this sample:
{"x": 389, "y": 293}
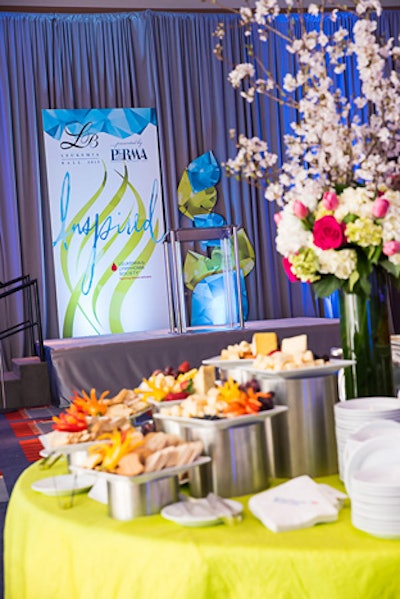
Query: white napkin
{"x": 337, "y": 498}
{"x": 99, "y": 491}
{"x": 53, "y": 440}
{"x": 297, "y": 503}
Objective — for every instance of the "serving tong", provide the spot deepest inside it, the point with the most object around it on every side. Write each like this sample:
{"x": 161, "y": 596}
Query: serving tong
{"x": 52, "y": 458}
{"x": 212, "y": 505}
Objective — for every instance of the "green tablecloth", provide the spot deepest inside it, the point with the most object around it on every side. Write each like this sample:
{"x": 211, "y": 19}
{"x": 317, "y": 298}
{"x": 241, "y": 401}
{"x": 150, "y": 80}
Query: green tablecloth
{"x": 82, "y": 553}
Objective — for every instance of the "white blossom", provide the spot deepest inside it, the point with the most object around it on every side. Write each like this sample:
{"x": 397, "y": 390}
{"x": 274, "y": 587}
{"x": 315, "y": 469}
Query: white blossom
{"x": 331, "y": 145}
{"x": 289, "y": 82}
{"x": 363, "y": 5}
{"x": 246, "y": 14}
{"x": 240, "y": 72}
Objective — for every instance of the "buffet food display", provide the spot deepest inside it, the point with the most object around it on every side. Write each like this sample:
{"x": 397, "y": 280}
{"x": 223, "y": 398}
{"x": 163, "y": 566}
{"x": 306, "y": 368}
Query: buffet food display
{"x": 170, "y": 384}
{"x": 294, "y": 353}
{"x": 264, "y": 353}
{"x": 226, "y": 400}
{"x": 88, "y": 417}
{"x": 220, "y": 434}
{"x": 130, "y": 453}
{"x": 261, "y": 343}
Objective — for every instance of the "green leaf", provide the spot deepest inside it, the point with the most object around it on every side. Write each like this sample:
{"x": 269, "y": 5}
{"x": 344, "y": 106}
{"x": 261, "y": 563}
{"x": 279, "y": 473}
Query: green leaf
{"x": 392, "y": 269}
{"x": 374, "y": 253}
{"x": 307, "y": 223}
{"x": 326, "y": 285}
{"x": 363, "y": 265}
{"x": 350, "y": 218}
{"x": 353, "y": 279}
{"x": 340, "y": 187}
{"x": 365, "y": 285}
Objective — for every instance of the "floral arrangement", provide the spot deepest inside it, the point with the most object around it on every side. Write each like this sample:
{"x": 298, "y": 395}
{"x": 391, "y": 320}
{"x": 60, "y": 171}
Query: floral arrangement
{"x": 338, "y": 190}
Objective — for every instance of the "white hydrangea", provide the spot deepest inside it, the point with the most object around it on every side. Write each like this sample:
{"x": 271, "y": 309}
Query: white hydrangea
{"x": 391, "y": 225}
{"x": 356, "y": 201}
{"x": 395, "y": 259}
{"x": 340, "y": 263}
{"x": 393, "y": 197}
{"x": 291, "y": 235}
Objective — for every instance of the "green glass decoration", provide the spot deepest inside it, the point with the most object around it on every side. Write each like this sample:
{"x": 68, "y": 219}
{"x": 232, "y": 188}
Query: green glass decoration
{"x": 365, "y": 334}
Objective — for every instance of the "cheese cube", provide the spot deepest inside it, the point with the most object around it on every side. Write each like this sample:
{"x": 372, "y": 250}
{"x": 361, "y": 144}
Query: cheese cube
{"x": 294, "y": 345}
{"x": 264, "y": 343}
{"x": 204, "y": 379}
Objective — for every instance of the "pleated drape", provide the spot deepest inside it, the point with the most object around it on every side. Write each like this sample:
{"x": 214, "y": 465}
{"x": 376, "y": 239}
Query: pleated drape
{"x": 139, "y": 59}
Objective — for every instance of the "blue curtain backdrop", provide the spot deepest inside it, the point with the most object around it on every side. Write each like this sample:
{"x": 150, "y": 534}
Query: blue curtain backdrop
{"x": 140, "y": 59}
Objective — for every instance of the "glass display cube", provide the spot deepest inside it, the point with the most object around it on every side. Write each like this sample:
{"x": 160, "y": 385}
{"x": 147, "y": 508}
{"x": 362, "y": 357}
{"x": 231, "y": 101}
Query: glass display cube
{"x": 205, "y": 285}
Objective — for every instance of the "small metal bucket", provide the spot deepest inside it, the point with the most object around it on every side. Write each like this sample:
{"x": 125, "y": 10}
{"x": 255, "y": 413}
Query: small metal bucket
{"x": 128, "y": 500}
{"x": 239, "y": 464}
{"x": 303, "y": 440}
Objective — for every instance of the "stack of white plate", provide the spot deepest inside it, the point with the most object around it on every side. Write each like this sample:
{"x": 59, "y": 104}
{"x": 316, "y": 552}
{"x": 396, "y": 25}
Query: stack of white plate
{"x": 352, "y": 414}
{"x": 373, "y": 484}
{"x": 371, "y": 430}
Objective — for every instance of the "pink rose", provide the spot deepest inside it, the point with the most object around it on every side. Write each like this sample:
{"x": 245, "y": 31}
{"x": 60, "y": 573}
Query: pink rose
{"x": 288, "y": 270}
{"x": 299, "y": 209}
{"x": 330, "y": 200}
{"x": 328, "y": 233}
{"x": 391, "y": 247}
{"x": 380, "y": 207}
{"x": 278, "y": 217}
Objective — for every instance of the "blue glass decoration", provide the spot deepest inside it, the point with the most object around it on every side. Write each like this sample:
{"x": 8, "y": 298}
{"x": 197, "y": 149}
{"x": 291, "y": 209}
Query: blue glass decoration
{"x": 203, "y": 172}
{"x": 210, "y": 303}
{"x": 212, "y": 219}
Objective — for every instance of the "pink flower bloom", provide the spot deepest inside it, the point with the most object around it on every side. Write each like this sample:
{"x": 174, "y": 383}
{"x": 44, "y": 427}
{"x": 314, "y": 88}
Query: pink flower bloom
{"x": 391, "y": 247}
{"x": 278, "y": 217}
{"x": 288, "y": 270}
{"x": 330, "y": 200}
{"x": 380, "y": 207}
{"x": 299, "y": 209}
{"x": 328, "y": 233}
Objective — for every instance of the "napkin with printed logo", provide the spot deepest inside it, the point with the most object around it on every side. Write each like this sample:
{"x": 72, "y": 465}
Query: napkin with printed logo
{"x": 297, "y": 503}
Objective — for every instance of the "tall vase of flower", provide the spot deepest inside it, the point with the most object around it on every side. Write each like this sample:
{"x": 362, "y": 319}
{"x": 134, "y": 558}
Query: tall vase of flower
{"x": 338, "y": 187}
{"x": 365, "y": 334}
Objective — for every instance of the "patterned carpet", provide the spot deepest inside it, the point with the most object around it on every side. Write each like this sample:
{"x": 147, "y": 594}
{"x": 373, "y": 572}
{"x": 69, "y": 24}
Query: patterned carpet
{"x": 27, "y": 425}
{"x": 3, "y": 489}
{"x": 19, "y": 447}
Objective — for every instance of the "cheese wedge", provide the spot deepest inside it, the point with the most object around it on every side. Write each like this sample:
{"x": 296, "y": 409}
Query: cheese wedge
{"x": 294, "y": 345}
{"x": 204, "y": 379}
{"x": 264, "y": 343}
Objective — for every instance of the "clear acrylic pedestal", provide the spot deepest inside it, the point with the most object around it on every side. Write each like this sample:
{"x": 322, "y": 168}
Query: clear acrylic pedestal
{"x": 228, "y": 304}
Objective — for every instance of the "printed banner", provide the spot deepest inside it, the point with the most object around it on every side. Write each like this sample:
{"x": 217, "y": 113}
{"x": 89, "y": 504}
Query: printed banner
{"x": 107, "y": 222}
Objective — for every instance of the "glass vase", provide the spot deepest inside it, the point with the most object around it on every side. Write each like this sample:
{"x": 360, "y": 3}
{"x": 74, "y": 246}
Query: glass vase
{"x": 365, "y": 334}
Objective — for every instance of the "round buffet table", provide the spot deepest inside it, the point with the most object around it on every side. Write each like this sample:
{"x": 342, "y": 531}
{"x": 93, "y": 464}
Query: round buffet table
{"x": 57, "y": 553}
